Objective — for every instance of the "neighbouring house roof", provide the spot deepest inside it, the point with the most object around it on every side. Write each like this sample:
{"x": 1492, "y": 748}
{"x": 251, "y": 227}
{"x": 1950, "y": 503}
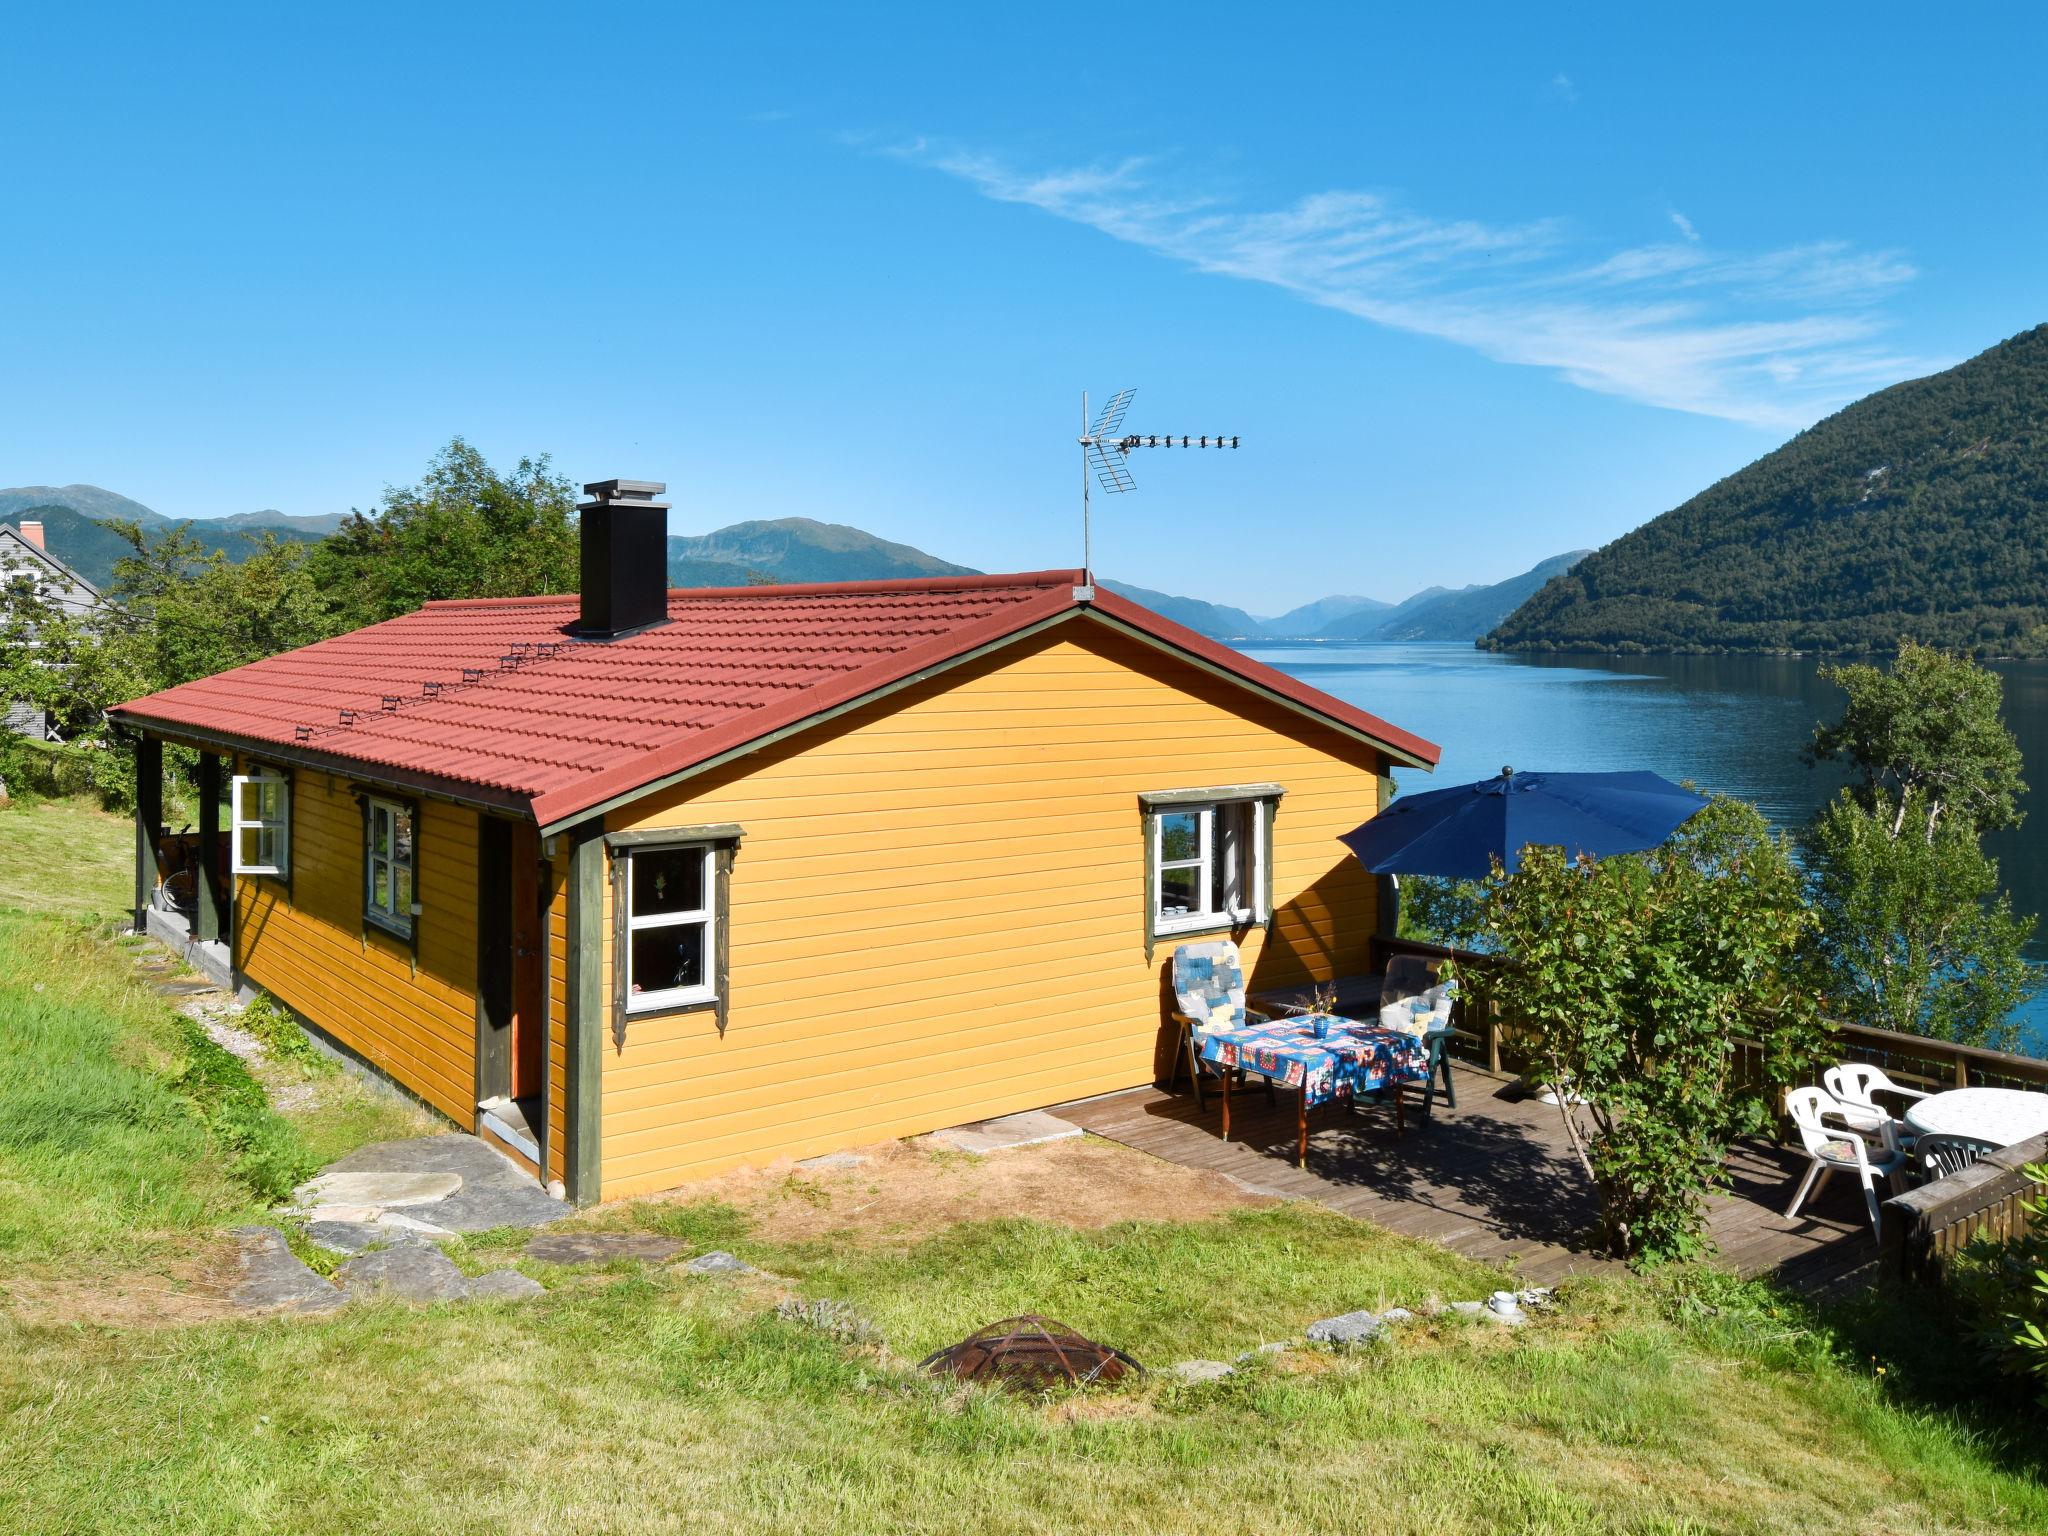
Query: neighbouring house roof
{"x": 495, "y": 700}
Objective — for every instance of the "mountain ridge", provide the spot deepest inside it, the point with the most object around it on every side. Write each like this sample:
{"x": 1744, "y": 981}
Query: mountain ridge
{"x": 1919, "y": 511}
{"x": 792, "y": 549}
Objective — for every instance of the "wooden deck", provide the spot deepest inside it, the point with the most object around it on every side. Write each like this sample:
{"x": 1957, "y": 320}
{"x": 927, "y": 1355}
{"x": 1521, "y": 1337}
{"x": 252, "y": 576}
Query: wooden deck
{"x": 1492, "y": 1179}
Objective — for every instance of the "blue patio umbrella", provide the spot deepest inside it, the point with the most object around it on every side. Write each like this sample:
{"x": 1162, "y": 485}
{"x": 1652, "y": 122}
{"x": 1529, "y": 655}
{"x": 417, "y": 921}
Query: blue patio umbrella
{"x": 1458, "y": 832}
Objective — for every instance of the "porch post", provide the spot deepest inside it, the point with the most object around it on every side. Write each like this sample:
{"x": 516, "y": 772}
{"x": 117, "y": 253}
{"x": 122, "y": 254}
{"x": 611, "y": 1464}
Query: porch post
{"x": 1387, "y": 905}
{"x": 149, "y": 819}
{"x": 206, "y": 923}
{"x": 589, "y": 1004}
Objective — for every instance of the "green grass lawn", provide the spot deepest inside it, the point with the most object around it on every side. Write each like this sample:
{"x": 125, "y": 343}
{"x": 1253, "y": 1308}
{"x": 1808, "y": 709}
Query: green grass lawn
{"x": 642, "y": 1400}
{"x": 66, "y": 858}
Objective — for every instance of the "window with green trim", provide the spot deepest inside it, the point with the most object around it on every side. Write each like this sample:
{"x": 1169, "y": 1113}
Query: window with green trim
{"x": 390, "y": 896}
{"x": 1208, "y": 865}
{"x": 670, "y": 926}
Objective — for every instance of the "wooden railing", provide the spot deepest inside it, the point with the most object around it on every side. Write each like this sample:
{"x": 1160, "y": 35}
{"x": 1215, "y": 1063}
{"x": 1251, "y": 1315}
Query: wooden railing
{"x": 1926, "y": 1227}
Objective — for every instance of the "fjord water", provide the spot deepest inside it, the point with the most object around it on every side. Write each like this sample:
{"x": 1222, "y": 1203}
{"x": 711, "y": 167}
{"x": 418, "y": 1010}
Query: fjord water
{"x": 1734, "y": 724}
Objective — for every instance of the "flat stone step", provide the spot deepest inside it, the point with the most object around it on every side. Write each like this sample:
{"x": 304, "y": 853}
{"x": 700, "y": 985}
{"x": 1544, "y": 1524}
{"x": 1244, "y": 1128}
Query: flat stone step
{"x": 1004, "y": 1133}
{"x": 382, "y": 1188}
{"x": 274, "y": 1279}
{"x": 601, "y": 1247}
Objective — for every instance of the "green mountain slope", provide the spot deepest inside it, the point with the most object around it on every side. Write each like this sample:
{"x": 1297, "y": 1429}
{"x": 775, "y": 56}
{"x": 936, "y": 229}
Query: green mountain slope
{"x": 1921, "y": 511}
{"x": 90, "y": 547}
{"x": 89, "y": 500}
{"x": 1468, "y": 614}
{"x": 796, "y": 549}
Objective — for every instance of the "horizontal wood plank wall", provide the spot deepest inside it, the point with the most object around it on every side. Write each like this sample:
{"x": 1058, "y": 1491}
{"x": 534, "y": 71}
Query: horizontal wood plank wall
{"x": 305, "y": 944}
{"x": 937, "y": 911}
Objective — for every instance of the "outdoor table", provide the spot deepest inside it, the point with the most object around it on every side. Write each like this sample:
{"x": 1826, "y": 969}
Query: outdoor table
{"x": 2000, "y": 1116}
{"x": 1353, "y": 1059}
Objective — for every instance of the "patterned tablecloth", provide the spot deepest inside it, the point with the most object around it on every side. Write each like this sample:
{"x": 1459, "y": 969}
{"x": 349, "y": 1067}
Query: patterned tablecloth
{"x": 1355, "y": 1058}
{"x": 2000, "y": 1116}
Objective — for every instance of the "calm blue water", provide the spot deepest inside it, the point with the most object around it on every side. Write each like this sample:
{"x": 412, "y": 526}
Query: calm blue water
{"x": 1729, "y": 723}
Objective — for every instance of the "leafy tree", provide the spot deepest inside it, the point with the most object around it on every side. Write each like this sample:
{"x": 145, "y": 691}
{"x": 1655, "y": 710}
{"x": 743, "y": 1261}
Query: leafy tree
{"x": 465, "y": 530}
{"x": 195, "y": 612}
{"x": 1914, "y": 933}
{"x": 1438, "y": 911}
{"x": 1637, "y": 981}
{"x": 1928, "y": 730}
{"x": 71, "y": 667}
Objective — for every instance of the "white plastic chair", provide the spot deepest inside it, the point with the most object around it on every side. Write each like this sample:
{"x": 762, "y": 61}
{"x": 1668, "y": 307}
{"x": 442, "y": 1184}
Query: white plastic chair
{"x": 1832, "y": 1149}
{"x": 1855, "y": 1087}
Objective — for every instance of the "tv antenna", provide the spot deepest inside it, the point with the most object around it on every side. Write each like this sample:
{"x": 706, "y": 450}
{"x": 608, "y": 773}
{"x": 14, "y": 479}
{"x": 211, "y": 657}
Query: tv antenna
{"x": 1103, "y": 456}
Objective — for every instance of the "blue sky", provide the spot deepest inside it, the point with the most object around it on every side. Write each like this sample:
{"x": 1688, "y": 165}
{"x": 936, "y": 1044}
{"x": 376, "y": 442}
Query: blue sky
{"x": 1474, "y": 287}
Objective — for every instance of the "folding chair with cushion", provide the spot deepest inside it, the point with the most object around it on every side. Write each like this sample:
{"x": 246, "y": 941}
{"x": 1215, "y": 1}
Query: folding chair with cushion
{"x": 1837, "y": 1147}
{"x": 1855, "y": 1087}
{"x": 1406, "y": 976}
{"x": 1938, "y": 1156}
{"x": 1208, "y": 983}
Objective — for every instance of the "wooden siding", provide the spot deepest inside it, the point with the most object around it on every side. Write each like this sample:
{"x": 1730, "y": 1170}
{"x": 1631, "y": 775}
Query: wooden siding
{"x": 305, "y": 942}
{"x": 938, "y": 908}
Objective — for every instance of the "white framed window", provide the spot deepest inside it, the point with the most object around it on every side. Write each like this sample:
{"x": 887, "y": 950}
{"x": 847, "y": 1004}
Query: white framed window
{"x": 670, "y": 926}
{"x": 390, "y": 896}
{"x": 1208, "y": 864}
{"x": 261, "y": 804}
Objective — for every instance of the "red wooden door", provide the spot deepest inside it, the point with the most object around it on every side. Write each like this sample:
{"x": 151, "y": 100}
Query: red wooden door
{"x": 528, "y": 1041}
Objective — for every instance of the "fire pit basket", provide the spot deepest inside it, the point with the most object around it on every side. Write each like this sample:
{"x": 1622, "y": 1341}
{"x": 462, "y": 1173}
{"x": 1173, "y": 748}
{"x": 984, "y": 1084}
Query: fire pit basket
{"x": 1031, "y": 1354}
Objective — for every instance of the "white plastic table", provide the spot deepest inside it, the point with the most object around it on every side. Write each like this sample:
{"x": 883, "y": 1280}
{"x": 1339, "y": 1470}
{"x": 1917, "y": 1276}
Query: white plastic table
{"x": 2000, "y": 1116}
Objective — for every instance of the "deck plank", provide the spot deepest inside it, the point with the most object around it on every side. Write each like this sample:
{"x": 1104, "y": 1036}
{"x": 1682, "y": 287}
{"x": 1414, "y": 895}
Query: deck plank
{"x": 1491, "y": 1179}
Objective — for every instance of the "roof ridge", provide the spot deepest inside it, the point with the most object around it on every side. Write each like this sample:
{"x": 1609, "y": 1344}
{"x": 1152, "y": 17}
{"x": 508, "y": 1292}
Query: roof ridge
{"x": 974, "y": 582}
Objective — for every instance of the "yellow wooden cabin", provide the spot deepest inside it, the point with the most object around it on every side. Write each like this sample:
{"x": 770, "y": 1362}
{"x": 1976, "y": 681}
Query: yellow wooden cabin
{"x": 645, "y": 885}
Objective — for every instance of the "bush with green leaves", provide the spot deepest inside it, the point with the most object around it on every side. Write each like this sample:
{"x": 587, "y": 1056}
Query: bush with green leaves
{"x": 1658, "y": 988}
{"x": 264, "y": 1153}
{"x": 2002, "y": 1287}
{"x": 272, "y": 1023}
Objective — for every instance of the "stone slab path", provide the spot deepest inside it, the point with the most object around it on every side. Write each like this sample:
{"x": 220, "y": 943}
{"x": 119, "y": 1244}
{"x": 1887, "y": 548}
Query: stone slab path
{"x": 425, "y": 1186}
{"x": 601, "y": 1247}
{"x": 273, "y": 1278}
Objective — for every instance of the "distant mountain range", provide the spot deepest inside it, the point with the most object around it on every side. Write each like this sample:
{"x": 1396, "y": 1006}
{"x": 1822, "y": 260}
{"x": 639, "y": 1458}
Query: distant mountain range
{"x": 795, "y": 549}
{"x": 1435, "y": 613}
{"x": 74, "y": 519}
{"x": 1440, "y": 614}
{"x": 1920, "y": 511}
{"x": 799, "y": 549}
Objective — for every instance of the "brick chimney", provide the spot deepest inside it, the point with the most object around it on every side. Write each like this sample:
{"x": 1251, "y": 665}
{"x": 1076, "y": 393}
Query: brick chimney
{"x": 32, "y": 530}
{"x": 625, "y": 558}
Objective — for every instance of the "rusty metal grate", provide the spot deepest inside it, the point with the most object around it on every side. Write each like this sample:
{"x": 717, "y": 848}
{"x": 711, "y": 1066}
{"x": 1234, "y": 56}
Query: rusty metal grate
{"x": 1031, "y": 1354}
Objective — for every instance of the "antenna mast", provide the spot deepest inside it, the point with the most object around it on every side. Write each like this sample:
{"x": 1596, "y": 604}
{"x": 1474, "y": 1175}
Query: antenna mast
{"x": 1103, "y": 453}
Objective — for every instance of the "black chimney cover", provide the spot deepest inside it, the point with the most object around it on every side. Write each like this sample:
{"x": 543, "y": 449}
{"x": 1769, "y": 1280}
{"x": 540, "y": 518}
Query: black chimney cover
{"x": 625, "y": 558}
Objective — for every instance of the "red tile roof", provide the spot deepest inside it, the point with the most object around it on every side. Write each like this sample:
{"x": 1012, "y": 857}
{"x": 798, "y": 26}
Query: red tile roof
{"x": 495, "y": 700}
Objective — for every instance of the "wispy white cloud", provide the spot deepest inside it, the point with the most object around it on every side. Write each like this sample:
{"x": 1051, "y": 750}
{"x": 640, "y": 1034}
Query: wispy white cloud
{"x": 1562, "y": 88}
{"x": 1775, "y": 339}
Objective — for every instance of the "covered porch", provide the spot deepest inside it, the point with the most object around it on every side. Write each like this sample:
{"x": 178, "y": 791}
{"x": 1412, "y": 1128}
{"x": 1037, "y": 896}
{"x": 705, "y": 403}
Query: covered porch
{"x": 184, "y": 895}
